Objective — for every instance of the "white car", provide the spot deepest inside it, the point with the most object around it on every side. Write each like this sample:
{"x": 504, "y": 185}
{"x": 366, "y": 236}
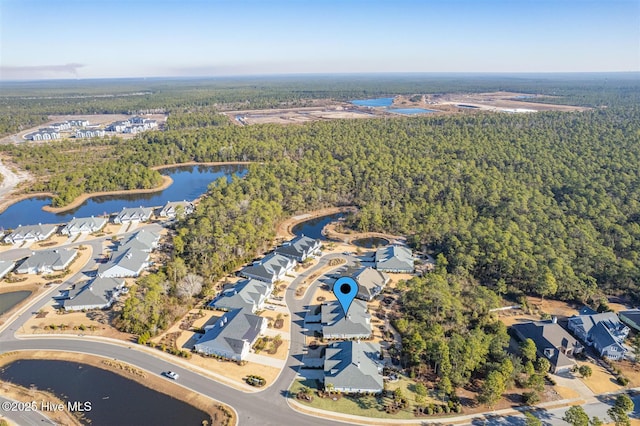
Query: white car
{"x": 172, "y": 375}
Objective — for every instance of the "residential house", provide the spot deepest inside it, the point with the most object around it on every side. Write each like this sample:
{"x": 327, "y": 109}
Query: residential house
{"x": 300, "y": 248}
{"x": 47, "y": 261}
{"x": 370, "y": 282}
{"x": 356, "y": 324}
{"x": 552, "y": 341}
{"x": 118, "y": 126}
{"x": 232, "y": 336}
{"x": 394, "y": 259}
{"x": 45, "y": 134}
{"x": 64, "y": 125}
{"x": 604, "y": 331}
{"x": 247, "y": 294}
{"x": 273, "y": 267}
{"x": 143, "y": 240}
{"x": 83, "y": 225}
{"x": 90, "y": 133}
{"x": 30, "y": 233}
{"x": 134, "y": 214}
{"x": 631, "y": 318}
{"x": 125, "y": 262}
{"x": 175, "y": 208}
{"x": 100, "y": 293}
{"x": 6, "y": 266}
{"x": 79, "y": 123}
{"x": 353, "y": 367}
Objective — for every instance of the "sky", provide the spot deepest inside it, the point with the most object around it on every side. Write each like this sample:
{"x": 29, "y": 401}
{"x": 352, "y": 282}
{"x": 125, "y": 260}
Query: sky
{"x": 45, "y": 39}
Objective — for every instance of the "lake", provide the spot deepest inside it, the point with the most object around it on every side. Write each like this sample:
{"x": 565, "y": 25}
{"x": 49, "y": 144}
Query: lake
{"x": 114, "y": 399}
{"x": 410, "y": 111}
{"x": 189, "y": 182}
{"x": 378, "y": 102}
{"x": 313, "y": 227}
{"x": 11, "y": 299}
{"x": 371, "y": 242}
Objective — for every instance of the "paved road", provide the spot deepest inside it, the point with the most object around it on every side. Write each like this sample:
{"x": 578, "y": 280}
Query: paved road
{"x": 268, "y": 407}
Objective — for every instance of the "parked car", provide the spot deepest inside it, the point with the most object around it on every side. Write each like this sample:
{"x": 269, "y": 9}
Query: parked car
{"x": 172, "y": 375}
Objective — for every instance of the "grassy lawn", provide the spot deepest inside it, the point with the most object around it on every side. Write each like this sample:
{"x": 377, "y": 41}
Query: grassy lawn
{"x": 366, "y": 406}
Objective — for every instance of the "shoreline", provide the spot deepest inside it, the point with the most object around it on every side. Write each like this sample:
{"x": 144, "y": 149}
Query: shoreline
{"x": 78, "y": 201}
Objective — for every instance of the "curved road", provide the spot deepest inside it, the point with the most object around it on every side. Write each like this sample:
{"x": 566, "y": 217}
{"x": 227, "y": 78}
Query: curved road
{"x": 268, "y": 407}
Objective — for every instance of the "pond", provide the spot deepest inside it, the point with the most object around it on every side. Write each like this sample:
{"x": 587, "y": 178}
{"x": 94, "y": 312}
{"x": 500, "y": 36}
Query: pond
{"x": 313, "y": 227}
{"x": 114, "y": 399}
{"x": 371, "y": 242}
{"x": 11, "y": 299}
{"x": 189, "y": 182}
{"x": 378, "y": 102}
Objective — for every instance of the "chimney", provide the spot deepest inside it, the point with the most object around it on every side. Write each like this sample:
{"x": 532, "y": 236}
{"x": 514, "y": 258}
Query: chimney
{"x": 554, "y": 319}
{"x": 358, "y": 364}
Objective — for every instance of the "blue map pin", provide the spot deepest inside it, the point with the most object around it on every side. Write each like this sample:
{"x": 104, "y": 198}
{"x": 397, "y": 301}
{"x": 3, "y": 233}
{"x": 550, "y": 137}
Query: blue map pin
{"x": 345, "y": 289}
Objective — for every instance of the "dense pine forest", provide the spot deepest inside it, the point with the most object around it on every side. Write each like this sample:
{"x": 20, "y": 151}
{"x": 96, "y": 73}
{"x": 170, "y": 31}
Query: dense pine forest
{"x": 545, "y": 204}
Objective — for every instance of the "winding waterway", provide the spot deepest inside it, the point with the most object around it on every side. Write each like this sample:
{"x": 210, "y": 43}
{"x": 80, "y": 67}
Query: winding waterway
{"x": 313, "y": 227}
{"x": 189, "y": 182}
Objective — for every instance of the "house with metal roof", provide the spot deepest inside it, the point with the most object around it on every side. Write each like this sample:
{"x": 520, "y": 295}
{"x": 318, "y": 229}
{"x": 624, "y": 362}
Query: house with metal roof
{"x": 552, "y": 341}
{"x": 30, "y": 233}
{"x": 175, "y": 208}
{"x": 232, "y": 336}
{"x": 370, "y": 282}
{"x": 100, "y": 293}
{"x": 604, "y": 331}
{"x": 353, "y": 367}
{"x": 6, "y": 266}
{"x": 134, "y": 214}
{"x": 273, "y": 267}
{"x": 300, "y": 248}
{"x": 83, "y": 225}
{"x": 394, "y": 259}
{"x": 47, "y": 261}
{"x": 355, "y": 325}
{"x": 247, "y": 294}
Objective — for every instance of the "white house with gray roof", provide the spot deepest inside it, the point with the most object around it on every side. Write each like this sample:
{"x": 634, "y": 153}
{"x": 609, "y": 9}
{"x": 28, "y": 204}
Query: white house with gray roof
{"x": 394, "y": 259}
{"x": 370, "y": 282}
{"x": 273, "y": 267}
{"x": 247, "y": 294}
{"x": 30, "y": 233}
{"x": 356, "y": 325}
{"x": 300, "y": 248}
{"x": 47, "y": 261}
{"x": 83, "y": 225}
{"x": 6, "y": 266}
{"x": 232, "y": 336}
{"x": 100, "y": 293}
{"x": 134, "y": 214}
{"x": 604, "y": 331}
{"x": 125, "y": 262}
{"x": 143, "y": 240}
{"x": 175, "y": 208}
{"x": 353, "y": 367}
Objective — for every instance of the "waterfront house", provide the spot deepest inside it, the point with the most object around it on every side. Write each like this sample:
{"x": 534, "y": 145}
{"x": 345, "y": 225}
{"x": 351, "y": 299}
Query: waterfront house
{"x": 273, "y": 267}
{"x": 552, "y": 341}
{"x": 394, "y": 259}
{"x": 30, "y": 233}
{"x": 300, "y": 248}
{"x": 83, "y": 225}
{"x": 247, "y": 294}
{"x": 174, "y": 208}
{"x": 356, "y": 324}
{"x": 47, "y": 261}
{"x": 100, "y": 293}
{"x": 134, "y": 214}
{"x": 232, "y": 336}
{"x": 353, "y": 367}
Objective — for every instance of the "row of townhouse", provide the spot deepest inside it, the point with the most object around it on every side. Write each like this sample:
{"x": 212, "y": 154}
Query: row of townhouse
{"x": 132, "y": 125}
{"x": 604, "y": 332}
{"x": 52, "y": 131}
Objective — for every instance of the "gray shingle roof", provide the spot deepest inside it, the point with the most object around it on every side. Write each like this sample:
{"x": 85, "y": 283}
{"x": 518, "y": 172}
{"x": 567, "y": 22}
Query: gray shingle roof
{"x": 267, "y": 269}
{"x": 134, "y": 213}
{"x": 33, "y": 231}
{"x": 130, "y": 260}
{"x": 98, "y": 293}
{"x": 549, "y": 335}
{"x": 351, "y": 366}
{"x": 47, "y": 259}
{"x": 394, "y": 258}
{"x": 335, "y": 325}
{"x": 142, "y": 240}
{"x": 230, "y": 331}
{"x": 370, "y": 282}
{"x": 84, "y": 224}
{"x": 299, "y": 248}
{"x": 245, "y": 294}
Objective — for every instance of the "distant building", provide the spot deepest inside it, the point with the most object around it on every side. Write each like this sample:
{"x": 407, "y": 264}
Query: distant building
{"x": 273, "y": 267}
{"x": 47, "y": 261}
{"x": 64, "y": 125}
{"x": 232, "y": 336}
{"x": 248, "y": 294}
{"x": 118, "y": 126}
{"x": 356, "y": 325}
{"x": 135, "y": 214}
{"x": 79, "y": 123}
{"x": 45, "y": 134}
{"x": 83, "y": 225}
{"x": 89, "y": 133}
{"x": 100, "y": 293}
{"x": 300, "y": 248}
{"x": 394, "y": 259}
{"x": 30, "y": 233}
{"x": 353, "y": 367}
{"x": 172, "y": 208}
{"x": 552, "y": 341}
